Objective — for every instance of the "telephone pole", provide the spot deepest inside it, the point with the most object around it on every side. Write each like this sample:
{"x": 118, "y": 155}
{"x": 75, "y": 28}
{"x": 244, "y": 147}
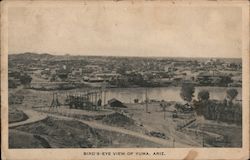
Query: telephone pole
{"x": 146, "y": 95}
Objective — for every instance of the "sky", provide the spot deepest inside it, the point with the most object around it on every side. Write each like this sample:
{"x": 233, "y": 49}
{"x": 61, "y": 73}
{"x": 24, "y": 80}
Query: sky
{"x": 126, "y": 29}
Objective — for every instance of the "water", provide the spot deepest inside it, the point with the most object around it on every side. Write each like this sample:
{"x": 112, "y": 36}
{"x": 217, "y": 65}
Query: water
{"x": 127, "y": 95}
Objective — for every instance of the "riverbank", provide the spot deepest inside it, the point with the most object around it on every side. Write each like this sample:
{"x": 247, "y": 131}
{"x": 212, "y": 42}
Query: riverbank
{"x": 50, "y": 86}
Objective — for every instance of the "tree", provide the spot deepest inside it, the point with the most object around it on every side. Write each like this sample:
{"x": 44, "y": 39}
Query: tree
{"x": 164, "y": 106}
{"x": 12, "y": 83}
{"x": 225, "y": 80}
{"x": 99, "y": 102}
{"x": 203, "y": 95}
{"x": 25, "y": 79}
{"x": 187, "y": 91}
{"x": 53, "y": 78}
{"x": 201, "y": 106}
{"x": 231, "y": 94}
{"x": 136, "y": 100}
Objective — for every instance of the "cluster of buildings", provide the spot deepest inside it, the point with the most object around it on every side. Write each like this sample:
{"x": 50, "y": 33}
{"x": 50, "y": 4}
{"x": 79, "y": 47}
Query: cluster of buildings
{"x": 129, "y": 71}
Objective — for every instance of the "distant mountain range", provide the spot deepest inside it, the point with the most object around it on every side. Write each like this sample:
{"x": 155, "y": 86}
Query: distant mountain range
{"x": 29, "y": 55}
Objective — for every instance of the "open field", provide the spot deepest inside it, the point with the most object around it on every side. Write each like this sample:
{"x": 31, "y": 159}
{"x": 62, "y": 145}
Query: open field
{"x": 154, "y": 120}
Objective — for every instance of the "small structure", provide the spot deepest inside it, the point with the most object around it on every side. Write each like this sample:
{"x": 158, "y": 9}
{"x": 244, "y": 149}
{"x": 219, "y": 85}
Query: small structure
{"x": 116, "y": 103}
{"x": 184, "y": 108}
{"x": 175, "y": 115}
{"x": 187, "y": 108}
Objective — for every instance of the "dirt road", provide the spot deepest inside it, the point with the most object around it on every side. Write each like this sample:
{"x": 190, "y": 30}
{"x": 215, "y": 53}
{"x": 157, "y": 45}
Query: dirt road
{"x": 35, "y": 116}
{"x": 162, "y": 142}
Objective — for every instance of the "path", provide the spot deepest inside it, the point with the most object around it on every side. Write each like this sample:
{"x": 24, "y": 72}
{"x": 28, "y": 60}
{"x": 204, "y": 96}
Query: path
{"x": 119, "y": 130}
{"x": 33, "y": 116}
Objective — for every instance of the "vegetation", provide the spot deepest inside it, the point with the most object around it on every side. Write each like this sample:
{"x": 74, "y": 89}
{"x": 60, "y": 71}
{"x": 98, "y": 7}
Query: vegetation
{"x": 231, "y": 94}
{"x": 12, "y": 83}
{"x": 224, "y": 81}
{"x": 163, "y": 107}
{"x": 219, "y": 110}
{"x": 16, "y": 115}
{"x": 117, "y": 119}
{"x": 15, "y": 98}
{"x": 187, "y": 92}
{"x": 203, "y": 95}
{"x": 25, "y": 79}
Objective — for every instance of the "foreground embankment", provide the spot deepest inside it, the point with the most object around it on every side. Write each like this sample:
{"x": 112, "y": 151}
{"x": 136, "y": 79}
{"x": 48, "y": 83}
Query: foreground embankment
{"x": 58, "y": 133}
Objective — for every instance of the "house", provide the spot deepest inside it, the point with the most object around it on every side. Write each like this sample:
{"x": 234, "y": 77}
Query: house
{"x": 92, "y": 68}
{"x": 108, "y": 76}
{"x": 187, "y": 108}
{"x": 76, "y": 72}
{"x": 116, "y": 103}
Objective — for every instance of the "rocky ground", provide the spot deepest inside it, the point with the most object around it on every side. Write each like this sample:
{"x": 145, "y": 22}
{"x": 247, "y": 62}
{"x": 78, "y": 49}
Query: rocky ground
{"x": 56, "y": 133}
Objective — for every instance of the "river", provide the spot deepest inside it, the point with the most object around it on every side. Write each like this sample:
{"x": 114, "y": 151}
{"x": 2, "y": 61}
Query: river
{"x": 127, "y": 95}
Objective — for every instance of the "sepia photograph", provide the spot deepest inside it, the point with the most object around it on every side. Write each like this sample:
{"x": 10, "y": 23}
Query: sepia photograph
{"x": 83, "y": 101}
{"x": 123, "y": 75}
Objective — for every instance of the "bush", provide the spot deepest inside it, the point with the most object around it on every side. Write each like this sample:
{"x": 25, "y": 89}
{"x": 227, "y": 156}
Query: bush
{"x": 219, "y": 111}
{"x": 203, "y": 95}
{"x": 231, "y": 94}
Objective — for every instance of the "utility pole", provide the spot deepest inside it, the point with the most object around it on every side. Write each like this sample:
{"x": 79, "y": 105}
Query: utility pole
{"x": 203, "y": 143}
{"x": 104, "y": 92}
{"x": 95, "y": 100}
{"x": 164, "y": 114}
{"x": 104, "y": 101}
{"x": 173, "y": 142}
{"x": 146, "y": 95}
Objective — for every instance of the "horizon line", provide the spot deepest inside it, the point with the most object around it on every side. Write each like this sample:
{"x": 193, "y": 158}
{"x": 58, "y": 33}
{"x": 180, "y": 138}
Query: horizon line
{"x": 97, "y": 55}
